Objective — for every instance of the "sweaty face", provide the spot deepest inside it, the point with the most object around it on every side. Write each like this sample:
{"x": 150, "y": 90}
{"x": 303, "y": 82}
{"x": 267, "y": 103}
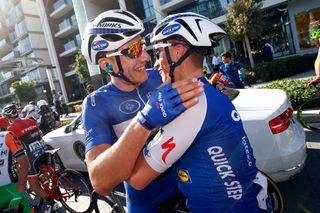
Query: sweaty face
{"x": 135, "y": 68}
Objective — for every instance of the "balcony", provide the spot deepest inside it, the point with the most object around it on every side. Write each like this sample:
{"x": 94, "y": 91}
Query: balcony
{"x": 5, "y": 47}
{"x": 3, "y": 30}
{"x": 170, "y": 5}
{"x": 11, "y": 55}
{"x": 60, "y": 8}
{"x": 70, "y": 48}
{"x": 66, "y": 27}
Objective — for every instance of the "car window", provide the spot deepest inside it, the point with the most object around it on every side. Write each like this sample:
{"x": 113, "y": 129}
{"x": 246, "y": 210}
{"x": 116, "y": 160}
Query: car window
{"x": 231, "y": 93}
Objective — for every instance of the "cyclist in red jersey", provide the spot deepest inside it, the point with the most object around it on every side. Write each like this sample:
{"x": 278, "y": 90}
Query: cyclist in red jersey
{"x": 3, "y": 123}
{"x": 29, "y": 134}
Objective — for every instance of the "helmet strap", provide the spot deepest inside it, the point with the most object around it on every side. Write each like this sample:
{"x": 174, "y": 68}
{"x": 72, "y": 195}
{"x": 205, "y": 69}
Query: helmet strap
{"x": 173, "y": 64}
{"x": 120, "y": 73}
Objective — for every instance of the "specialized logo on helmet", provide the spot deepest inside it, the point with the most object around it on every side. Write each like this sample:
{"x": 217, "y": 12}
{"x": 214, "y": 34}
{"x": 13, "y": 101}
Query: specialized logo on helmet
{"x": 129, "y": 107}
{"x": 184, "y": 176}
{"x": 171, "y": 29}
{"x": 99, "y": 45}
{"x": 109, "y": 25}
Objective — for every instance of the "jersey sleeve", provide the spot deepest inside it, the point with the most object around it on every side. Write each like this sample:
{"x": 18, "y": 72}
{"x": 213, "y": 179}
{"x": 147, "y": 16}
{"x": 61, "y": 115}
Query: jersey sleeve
{"x": 238, "y": 65}
{"x": 14, "y": 145}
{"x": 176, "y": 137}
{"x": 95, "y": 123}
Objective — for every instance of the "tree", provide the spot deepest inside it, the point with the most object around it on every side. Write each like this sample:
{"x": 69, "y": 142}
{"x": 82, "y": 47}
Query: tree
{"x": 245, "y": 20}
{"x": 81, "y": 68}
{"x": 24, "y": 91}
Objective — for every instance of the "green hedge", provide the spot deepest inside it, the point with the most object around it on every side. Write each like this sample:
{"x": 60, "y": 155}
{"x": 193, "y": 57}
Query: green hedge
{"x": 284, "y": 67}
{"x": 75, "y": 106}
{"x": 66, "y": 122}
{"x": 298, "y": 91}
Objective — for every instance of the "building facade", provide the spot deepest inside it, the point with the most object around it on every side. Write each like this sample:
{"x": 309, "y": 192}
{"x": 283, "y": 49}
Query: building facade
{"x": 22, "y": 45}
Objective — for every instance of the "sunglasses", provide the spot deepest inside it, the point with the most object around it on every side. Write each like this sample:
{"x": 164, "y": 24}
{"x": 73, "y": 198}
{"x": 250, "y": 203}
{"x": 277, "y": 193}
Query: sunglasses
{"x": 133, "y": 51}
{"x": 157, "y": 47}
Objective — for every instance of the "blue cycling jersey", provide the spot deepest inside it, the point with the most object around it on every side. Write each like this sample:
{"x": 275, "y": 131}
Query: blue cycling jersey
{"x": 106, "y": 114}
{"x": 231, "y": 71}
{"x": 217, "y": 169}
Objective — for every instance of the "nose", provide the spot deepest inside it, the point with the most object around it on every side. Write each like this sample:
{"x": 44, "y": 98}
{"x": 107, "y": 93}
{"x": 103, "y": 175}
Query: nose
{"x": 156, "y": 64}
{"x": 145, "y": 56}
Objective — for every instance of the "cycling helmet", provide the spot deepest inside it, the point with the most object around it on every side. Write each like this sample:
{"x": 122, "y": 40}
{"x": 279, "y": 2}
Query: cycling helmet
{"x": 196, "y": 30}
{"x": 315, "y": 32}
{"x": 41, "y": 103}
{"x": 10, "y": 111}
{"x": 109, "y": 31}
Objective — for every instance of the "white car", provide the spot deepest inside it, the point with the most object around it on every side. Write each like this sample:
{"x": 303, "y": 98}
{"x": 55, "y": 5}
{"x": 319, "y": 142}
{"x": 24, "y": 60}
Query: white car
{"x": 278, "y": 140}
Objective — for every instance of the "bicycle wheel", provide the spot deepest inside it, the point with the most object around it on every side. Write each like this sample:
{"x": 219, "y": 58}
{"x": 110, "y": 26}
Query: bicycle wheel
{"x": 106, "y": 204}
{"x": 76, "y": 191}
{"x": 274, "y": 196}
{"x": 309, "y": 114}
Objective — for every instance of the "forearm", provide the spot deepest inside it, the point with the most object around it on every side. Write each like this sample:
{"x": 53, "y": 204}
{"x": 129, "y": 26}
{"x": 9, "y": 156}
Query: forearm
{"x": 115, "y": 164}
{"x": 22, "y": 172}
{"x": 317, "y": 65}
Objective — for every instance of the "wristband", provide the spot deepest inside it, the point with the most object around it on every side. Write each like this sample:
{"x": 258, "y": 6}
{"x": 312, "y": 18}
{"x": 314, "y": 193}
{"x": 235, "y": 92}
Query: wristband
{"x": 143, "y": 122}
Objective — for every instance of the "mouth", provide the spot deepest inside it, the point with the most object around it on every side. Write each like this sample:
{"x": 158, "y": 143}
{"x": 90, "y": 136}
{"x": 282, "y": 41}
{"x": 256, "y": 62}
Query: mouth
{"x": 140, "y": 69}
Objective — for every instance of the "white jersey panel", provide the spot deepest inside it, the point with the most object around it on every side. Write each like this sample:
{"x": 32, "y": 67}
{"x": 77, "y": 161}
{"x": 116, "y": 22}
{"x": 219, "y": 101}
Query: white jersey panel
{"x": 119, "y": 128}
{"x": 176, "y": 137}
{"x": 4, "y": 164}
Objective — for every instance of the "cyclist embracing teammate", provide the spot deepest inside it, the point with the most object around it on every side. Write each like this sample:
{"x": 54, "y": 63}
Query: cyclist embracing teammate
{"x": 315, "y": 35}
{"x": 201, "y": 147}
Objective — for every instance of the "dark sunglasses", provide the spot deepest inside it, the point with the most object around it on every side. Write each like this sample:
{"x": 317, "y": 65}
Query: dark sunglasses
{"x": 133, "y": 51}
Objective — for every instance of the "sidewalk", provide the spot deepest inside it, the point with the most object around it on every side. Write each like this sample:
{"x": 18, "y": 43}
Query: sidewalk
{"x": 304, "y": 75}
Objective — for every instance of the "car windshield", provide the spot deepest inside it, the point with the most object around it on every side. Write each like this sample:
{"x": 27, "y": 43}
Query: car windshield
{"x": 231, "y": 93}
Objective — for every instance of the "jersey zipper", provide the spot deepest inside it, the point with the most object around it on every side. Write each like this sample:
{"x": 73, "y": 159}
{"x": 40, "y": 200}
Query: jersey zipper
{"x": 138, "y": 92}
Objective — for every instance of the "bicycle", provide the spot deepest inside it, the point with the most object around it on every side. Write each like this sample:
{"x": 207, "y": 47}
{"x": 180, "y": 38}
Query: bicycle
{"x": 309, "y": 112}
{"x": 115, "y": 201}
{"x": 68, "y": 186}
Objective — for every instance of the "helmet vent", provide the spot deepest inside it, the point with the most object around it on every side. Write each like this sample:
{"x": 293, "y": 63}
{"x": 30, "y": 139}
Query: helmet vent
{"x": 186, "y": 26}
{"x": 89, "y": 45}
{"x": 160, "y": 29}
{"x": 112, "y": 19}
{"x": 131, "y": 33}
{"x": 112, "y": 37}
{"x": 197, "y": 21}
{"x": 127, "y": 14}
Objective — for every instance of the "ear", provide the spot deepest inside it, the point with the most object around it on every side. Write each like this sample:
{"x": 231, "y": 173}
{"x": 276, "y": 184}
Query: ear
{"x": 179, "y": 52}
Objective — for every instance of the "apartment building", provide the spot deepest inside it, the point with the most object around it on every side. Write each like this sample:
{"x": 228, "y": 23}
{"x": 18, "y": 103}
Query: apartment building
{"x": 22, "y": 45}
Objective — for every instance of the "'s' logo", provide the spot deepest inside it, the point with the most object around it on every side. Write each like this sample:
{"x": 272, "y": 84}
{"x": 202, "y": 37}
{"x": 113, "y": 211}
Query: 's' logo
{"x": 169, "y": 145}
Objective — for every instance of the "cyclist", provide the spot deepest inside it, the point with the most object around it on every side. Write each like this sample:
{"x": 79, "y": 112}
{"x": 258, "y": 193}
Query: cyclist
{"x": 114, "y": 136}
{"x": 31, "y": 111}
{"x": 217, "y": 169}
{"x": 11, "y": 150}
{"x": 29, "y": 134}
{"x": 231, "y": 68}
{"x": 315, "y": 35}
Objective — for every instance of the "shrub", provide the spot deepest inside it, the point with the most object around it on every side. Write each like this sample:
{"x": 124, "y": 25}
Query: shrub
{"x": 297, "y": 91}
{"x": 75, "y": 106}
{"x": 66, "y": 122}
{"x": 284, "y": 67}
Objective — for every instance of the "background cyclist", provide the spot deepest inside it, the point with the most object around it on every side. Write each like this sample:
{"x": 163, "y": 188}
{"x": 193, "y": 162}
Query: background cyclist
{"x": 11, "y": 149}
{"x": 315, "y": 35}
{"x": 28, "y": 132}
{"x": 217, "y": 172}
{"x": 113, "y": 41}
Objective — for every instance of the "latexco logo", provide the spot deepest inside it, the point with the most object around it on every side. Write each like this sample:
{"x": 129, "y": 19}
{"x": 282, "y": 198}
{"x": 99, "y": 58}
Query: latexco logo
{"x": 171, "y": 29}
{"x": 99, "y": 45}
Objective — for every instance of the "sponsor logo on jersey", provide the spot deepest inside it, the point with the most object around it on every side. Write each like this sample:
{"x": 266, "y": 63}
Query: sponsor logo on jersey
{"x": 224, "y": 169}
{"x": 171, "y": 29}
{"x": 110, "y": 25}
{"x": 129, "y": 106}
{"x": 246, "y": 146}
{"x": 169, "y": 145}
{"x": 235, "y": 115}
{"x": 184, "y": 176}
{"x": 99, "y": 45}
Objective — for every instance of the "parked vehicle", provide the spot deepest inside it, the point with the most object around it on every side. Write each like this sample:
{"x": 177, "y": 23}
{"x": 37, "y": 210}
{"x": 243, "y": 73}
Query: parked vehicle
{"x": 278, "y": 140}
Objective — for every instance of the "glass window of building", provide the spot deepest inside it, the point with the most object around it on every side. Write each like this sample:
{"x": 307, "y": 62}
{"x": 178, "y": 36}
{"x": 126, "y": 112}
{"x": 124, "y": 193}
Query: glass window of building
{"x": 305, "y": 21}
{"x": 208, "y": 8}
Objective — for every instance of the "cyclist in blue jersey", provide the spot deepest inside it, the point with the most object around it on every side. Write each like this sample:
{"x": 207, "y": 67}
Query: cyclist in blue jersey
{"x": 214, "y": 159}
{"x": 315, "y": 35}
{"x": 230, "y": 69}
{"x": 114, "y": 134}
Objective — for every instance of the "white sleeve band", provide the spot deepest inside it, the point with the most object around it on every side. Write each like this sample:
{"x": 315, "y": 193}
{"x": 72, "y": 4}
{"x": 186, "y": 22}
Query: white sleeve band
{"x": 176, "y": 137}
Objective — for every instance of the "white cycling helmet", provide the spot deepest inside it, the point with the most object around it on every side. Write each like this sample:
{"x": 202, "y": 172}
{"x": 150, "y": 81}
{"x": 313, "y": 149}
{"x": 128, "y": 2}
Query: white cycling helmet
{"x": 109, "y": 31}
{"x": 196, "y": 29}
{"x": 42, "y": 103}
